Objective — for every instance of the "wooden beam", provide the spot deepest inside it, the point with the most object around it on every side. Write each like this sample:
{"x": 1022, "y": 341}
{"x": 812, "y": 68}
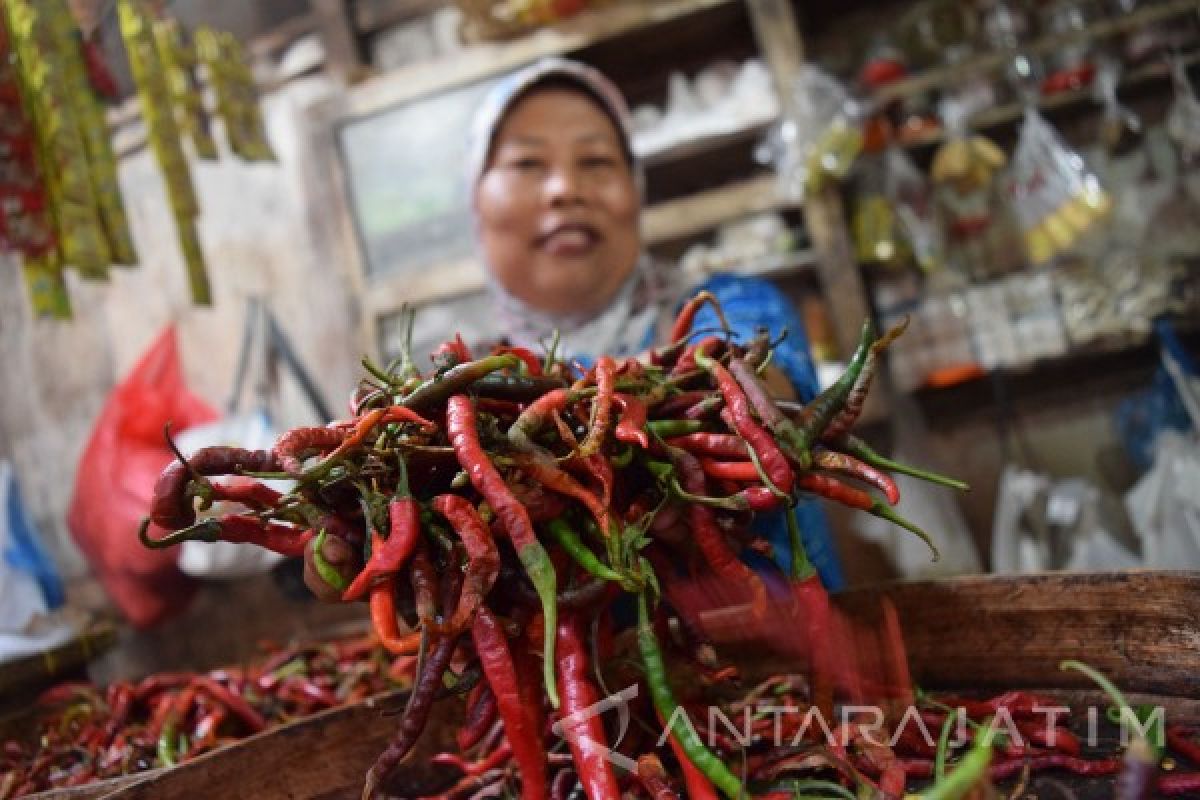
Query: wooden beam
{"x": 343, "y": 55}
{"x": 375, "y": 15}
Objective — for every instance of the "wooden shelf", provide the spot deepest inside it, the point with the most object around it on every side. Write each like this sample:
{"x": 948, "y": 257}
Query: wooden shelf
{"x": 687, "y": 216}
{"x": 480, "y": 61}
{"x": 940, "y": 77}
{"x": 778, "y": 265}
{"x": 1125, "y": 364}
{"x": 702, "y": 145}
{"x": 1011, "y": 112}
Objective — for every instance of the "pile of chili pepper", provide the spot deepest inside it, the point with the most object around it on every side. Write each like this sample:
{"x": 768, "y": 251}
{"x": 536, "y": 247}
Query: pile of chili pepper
{"x": 85, "y": 734}
{"x": 498, "y": 512}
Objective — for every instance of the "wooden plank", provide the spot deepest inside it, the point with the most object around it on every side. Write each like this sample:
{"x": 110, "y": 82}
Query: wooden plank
{"x": 432, "y": 282}
{"x": 481, "y": 61}
{"x": 325, "y": 756}
{"x": 374, "y": 15}
{"x": 94, "y": 791}
{"x": 1141, "y": 629}
{"x": 343, "y": 55}
{"x": 938, "y": 77}
{"x": 30, "y": 673}
{"x": 699, "y": 212}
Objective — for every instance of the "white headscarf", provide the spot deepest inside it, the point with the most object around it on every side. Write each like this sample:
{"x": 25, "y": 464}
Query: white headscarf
{"x": 628, "y": 323}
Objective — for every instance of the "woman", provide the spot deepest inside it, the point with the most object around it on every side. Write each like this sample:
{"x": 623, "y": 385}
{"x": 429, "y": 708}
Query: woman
{"x": 556, "y": 192}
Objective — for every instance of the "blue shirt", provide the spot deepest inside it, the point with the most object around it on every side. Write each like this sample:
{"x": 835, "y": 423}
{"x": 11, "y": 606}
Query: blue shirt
{"x": 749, "y": 305}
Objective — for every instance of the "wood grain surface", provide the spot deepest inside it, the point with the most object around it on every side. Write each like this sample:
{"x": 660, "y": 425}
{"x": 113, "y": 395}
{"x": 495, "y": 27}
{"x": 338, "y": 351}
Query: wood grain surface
{"x": 983, "y": 633}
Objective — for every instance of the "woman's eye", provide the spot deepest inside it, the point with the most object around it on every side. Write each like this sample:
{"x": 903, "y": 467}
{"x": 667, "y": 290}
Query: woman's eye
{"x": 602, "y": 161}
{"x": 526, "y": 164}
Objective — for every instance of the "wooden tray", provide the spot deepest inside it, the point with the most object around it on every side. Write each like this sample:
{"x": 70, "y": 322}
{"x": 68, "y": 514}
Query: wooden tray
{"x": 988, "y": 632}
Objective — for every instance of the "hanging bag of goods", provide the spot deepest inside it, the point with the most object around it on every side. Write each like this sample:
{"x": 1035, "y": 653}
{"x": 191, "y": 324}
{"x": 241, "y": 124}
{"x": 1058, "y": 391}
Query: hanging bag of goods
{"x": 158, "y": 113}
{"x": 178, "y": 56}
{"x": 237, "y": 99}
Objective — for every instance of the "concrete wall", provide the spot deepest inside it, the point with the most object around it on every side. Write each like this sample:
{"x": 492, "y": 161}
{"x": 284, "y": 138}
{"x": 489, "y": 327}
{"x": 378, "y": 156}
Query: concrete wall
{"x": 263, "y": 234}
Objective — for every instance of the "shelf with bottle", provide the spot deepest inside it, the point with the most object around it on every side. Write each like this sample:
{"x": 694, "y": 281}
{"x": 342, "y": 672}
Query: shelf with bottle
{"x": 1071, "y": 100}
{"x": 993, "y": 61}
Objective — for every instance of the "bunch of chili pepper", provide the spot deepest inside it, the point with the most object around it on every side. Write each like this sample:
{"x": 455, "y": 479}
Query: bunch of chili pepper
{"x": 491, "y": 509}
{"x": 84, "y": 733}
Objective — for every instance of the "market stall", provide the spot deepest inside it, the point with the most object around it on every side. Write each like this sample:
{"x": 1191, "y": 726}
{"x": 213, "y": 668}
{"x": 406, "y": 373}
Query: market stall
{"x": 557, "y": 398}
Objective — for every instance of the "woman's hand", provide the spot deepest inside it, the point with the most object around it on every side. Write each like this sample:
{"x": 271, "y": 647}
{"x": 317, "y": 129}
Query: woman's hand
{"x": 339, "y": 556}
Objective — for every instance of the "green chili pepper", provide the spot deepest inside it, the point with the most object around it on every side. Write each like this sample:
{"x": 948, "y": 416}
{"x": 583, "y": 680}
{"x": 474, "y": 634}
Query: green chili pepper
{"x": 966, "y": 775}
{"x": 802, "y": 567}
{"x": 579, "y": 551}
{"x": 437, "y": 390}
{"x": 328, "y": 574}
{"x": 664, "y": 700}
{"x": 166, "y": 749}
{"x": 667, "y": 428}
{"x": 817, "y": 415}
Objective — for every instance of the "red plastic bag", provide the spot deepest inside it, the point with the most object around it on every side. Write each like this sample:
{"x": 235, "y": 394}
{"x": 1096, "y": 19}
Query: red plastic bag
{"x": 115, "y": 482}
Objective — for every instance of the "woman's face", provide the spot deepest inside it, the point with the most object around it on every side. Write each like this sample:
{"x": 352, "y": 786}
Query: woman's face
{"x": 557, "y": 204}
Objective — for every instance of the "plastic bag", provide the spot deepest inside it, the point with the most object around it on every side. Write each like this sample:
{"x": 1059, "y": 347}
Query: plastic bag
{"x": 115, "y": 481}
{"x": 227, "y": 560}
{"x": 1055, "y": 197}
{"x": 1165, "y": 507}
{"x": 821, "y": 142}
{"x": 1045, "y": 524}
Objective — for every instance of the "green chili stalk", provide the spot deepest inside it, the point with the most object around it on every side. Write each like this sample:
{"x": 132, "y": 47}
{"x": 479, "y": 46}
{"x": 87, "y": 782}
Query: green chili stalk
{"x": 802, "y": 567}
{"x": 966, "y": 775}
{"x": 664, "y": 700}
{"x": 852, "y": 445}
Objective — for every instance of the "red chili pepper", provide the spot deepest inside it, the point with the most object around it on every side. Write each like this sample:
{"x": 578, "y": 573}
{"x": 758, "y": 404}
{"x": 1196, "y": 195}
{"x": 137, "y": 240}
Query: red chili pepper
{"x": 675, "y": 405}
{"x": 295, "y": 445}
{"x": 722, "y": 560}
{"x": 697, "y": 784}
{"x": 251, "y": 494}
{"x": 602, "y": 404}
{"x": 235, "y": 703}
{"x": 171, "y": 508}
{"x": 708, "y": 346}
{"x": 687, "y": 315}
{"x": 851, "y": 466}
{"x": 481, "y": 714}
{"x": 857, "y": 397}
{"x": 653, "y": 777}
{"x": 1006, "y": 769}
{"x": 825, "y": 486}
{"x": 495, "y": 759}
{"x": 531, "y": 361}
{"x": 501, "y": 673}
{"x": 460, "y": 422}
{"x": 743, "y": 471}
{"x": 631, "y": 426}
{"x": 717, "y": 445}
{"x": 383, "y": 620}
{"x": 1179, "y": 783}
{"x": 455, "y": 348}
{"x": 425, "y": 586}
{"x": 278, "y": 537}
{"x": 388, "y": 556}
{"x": 535, "y": 416}
{"x": 1179, "y": 741}
{"x": 483, "y": 559}
{"x": 304, "y": 688}
{"x": 586, "y": 737}
{"x": 773, "y": 461}
{"x": 544, "y": 470}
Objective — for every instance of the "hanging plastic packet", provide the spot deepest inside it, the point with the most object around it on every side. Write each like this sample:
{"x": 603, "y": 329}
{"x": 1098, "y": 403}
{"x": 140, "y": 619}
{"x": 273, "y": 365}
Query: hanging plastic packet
{"x": 911, "y": 198}
{"x": 967, "y": 162}
{"x": 178, "y": 57}
{"x": 823, "y": 139}
{"x": 965, "y": 172}
{"x": 1183, "y": 118}
{"x": 1055, "y": 198}
{"x": 1120, "y": 129}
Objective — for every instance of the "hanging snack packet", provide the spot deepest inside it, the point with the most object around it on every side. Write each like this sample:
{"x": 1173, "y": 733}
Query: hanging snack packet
{"x": 179, "y": 59}
{"x": 1055, "y": 197}
{"x": 237, "y": 98}
{"x": 821, "y": 142}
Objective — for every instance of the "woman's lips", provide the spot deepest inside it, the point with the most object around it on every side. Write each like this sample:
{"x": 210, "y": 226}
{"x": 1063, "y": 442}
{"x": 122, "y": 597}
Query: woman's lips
{"x": 569, "y": 241}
